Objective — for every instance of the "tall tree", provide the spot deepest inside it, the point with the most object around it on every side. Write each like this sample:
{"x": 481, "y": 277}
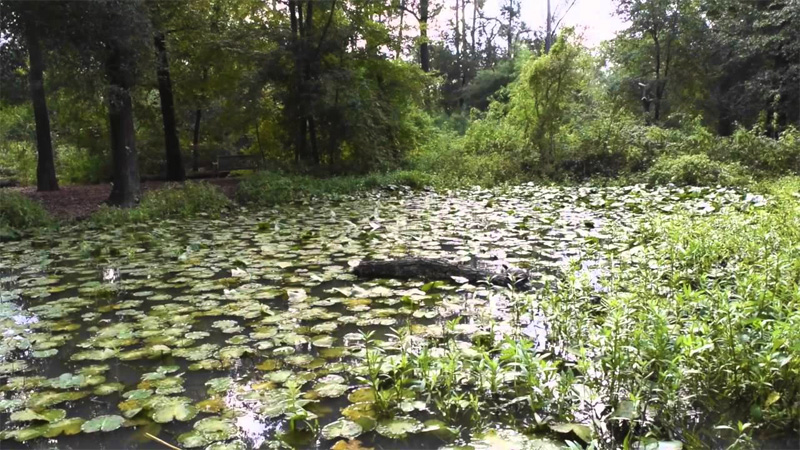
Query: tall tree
{"x": 26, "y": 20}
{"x": 175, "y": 171}
{"x": 45, "y": 166}
{"x": 658, "y": 21}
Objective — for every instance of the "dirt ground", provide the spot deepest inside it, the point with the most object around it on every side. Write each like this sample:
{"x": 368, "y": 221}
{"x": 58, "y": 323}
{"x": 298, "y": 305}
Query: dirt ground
{"x": 76, "y": 202}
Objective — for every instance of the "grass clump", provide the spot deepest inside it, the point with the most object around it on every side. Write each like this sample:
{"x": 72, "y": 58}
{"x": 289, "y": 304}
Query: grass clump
{"x": 19, "y": 213}
{"x": 695, "y": 333}
{"x": 271, "y": 188}
{"x": 695, "y": 170}
{"x": 175, "y": 201}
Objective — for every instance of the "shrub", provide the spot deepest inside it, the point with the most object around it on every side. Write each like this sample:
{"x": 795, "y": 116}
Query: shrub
{"x": 271, "y": 188}
{"x": 695, "y": 170}
{"x": 173, "y": 201}
{"x": 19, "y": 213}
{"x": 754, "y": 149}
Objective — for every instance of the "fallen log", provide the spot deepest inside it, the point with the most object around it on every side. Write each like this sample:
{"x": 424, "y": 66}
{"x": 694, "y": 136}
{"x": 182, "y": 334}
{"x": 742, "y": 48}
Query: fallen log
{"x": 439, "y": 269}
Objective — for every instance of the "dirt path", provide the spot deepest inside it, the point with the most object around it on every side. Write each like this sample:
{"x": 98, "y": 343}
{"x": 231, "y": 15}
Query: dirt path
{"x": 75, "y": 202}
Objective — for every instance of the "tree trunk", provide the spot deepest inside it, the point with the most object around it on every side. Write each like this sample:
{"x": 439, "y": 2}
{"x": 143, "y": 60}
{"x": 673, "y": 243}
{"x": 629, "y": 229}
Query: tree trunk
{"x": 196, "y": 139}
{"x": 125, "y": 190}
{"x": 548, "y": 39}
{"x": 399, "y": 49}
{"x": 45, "y": 167}
{"x": 474, "y": 26}
{"x": 424, "y": 51}
{"x": 438, "y": 269}
{"x": 312, "y": 132}
{"x": 175, "y": 171}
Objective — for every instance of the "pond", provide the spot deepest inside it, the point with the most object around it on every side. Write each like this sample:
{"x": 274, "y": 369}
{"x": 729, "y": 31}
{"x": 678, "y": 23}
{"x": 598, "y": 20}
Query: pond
{"x": 251, "y": 331}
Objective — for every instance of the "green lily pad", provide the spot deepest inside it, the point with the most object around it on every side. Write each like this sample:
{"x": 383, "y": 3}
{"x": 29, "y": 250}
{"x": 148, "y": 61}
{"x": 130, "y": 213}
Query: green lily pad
{"x": 103, "y": 423}
{"x": 208, "y": 430}
{"x": 218, "y": 385}
{"x": 13, "y": 367}
{"x": 167, "y": 409}
{"x": 341, "y": 428}
{"x": 360, "y": 395}
{"x": 233, "y": 445}
{"x": 108, "y": 388}
{"x": 29, "y": 415}
{"x": 66, "y": 427}
{"x": 49, "y": 398}
{"x": 330, "y": 390}
{"x": 399, "y": 427}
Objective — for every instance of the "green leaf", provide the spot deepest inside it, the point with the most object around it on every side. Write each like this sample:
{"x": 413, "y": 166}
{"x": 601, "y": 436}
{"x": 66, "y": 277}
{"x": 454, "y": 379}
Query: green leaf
{"x": 341, "y": 428}
{"x": 167, "y": 409}
{"x": 583, "y": 432}
{"x": 103, "y": 423}
{"x": 399, "y": 427}
{"x": 48, "y": 415}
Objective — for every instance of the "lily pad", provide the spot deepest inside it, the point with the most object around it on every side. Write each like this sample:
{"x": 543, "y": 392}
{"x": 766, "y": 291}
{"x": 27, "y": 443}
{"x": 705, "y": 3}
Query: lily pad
{"x": 341, "y": 428}
{"x": 103, "y": 423}
{"x": 167, "y": 409}
{"x": 29, "y": 415}
{"x": 399, "y": 427}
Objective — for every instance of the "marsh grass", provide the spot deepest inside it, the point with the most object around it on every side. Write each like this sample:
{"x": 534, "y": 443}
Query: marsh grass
{"x": 692, "y": 334}
{"x": 19, "y": 213}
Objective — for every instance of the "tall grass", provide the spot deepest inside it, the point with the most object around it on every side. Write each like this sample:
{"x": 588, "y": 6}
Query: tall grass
{"x": 19, "y": 213}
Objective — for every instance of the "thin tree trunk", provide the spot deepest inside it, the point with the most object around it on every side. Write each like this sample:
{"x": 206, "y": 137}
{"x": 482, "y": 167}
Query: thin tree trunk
{"x": 399, "y": 49}
{"x": 657, "y": 106}
{"x": 125, "y": 191}
{"x": 510, "y": 31}
{"x": 198, "y": 113}
{"x": 474, "y": 26}
{"x": 175, "y": 171}
{"x": 312, "y": 132}
{"x": 549, "y": 36}
{"x": 45, "y": 167}
{"x": 424, "y": 51}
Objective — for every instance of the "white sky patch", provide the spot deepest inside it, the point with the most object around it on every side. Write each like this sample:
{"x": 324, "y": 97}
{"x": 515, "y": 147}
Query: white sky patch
{"x": 593, "y": 19}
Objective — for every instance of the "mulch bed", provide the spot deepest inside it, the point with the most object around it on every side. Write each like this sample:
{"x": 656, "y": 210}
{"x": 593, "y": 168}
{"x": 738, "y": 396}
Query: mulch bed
{"x": 76, "y": 202}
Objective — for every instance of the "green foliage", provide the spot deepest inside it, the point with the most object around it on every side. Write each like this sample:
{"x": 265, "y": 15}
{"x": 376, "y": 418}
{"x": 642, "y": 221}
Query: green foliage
{"x": 271, "y": 188}
{"x": 701, "y": 318}
{"x": 19, "y": 213}
{"x": 174, "y": 201}
{"x": 695, "y": 170}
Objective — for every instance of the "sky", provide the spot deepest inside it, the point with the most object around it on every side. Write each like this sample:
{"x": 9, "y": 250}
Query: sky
{"x": 593, "y": 18}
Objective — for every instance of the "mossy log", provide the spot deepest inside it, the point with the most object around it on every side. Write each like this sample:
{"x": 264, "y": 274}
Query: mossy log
{"x": 439, "y": 269}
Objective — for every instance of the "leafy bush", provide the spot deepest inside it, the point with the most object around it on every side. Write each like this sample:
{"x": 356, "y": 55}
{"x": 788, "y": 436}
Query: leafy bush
{"x": 754, "y": 149}
{"x": 173, "y": 201}
{"x": 271, "y": 188}
{"x": 19, "y": 213}
{"x": 701, "y": 318}
{"x": 695, "y": 170}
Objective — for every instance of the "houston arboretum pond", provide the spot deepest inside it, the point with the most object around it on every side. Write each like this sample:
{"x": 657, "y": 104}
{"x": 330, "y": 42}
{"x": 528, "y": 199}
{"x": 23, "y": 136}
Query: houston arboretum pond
{"x": 251, "y": 331}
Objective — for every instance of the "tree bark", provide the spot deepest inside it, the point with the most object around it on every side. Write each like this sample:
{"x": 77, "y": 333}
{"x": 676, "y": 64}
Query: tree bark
{"x": 45, "y": 167}
{"x": 175, "y": 171}
{"x": 196, "y": 139}
{"x": 125, "y": 190}
{"x": 424, "y": 50}
{"x": 438, "y": 269}
{"x": 548, "y": 39}
{"x": 474, "y": 26}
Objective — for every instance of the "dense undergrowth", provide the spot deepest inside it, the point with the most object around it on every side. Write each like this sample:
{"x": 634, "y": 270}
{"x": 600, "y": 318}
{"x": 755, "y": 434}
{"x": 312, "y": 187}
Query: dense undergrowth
{"x": 173, "y": 202}
{"x": 691, "y": 334}
{"x": 19, "y": 213}
{"x": 269, "y": 188}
